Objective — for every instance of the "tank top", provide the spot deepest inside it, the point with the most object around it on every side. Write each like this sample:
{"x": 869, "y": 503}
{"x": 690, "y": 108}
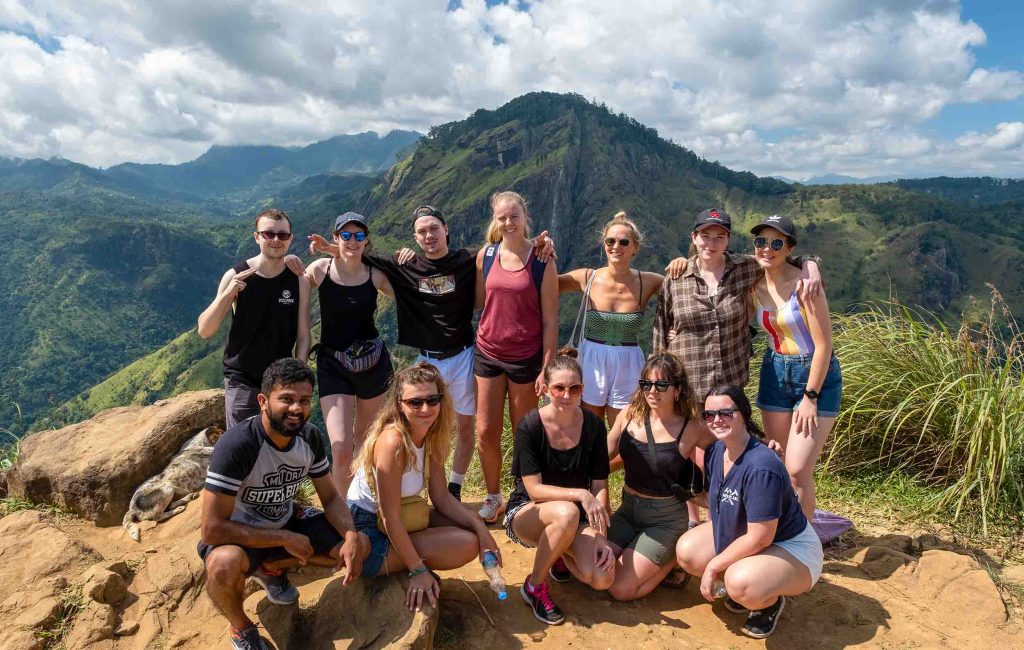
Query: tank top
{"x": 786, "y": 326}
{"x": 346, "y": 313}
{"x": 510, "y": 326}
{"x": 636, "y": 464}
{"x": 264, "y": 325}
{"x": 613, "y": 328}
{"x": 359, "y": 491}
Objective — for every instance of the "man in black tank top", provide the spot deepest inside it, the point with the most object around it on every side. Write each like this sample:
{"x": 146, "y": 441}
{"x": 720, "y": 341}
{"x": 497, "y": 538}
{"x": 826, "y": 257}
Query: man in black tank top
{"x": 270, "y": 319}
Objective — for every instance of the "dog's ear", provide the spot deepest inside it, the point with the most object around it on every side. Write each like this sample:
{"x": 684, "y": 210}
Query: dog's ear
{"x": 213, "y": 434}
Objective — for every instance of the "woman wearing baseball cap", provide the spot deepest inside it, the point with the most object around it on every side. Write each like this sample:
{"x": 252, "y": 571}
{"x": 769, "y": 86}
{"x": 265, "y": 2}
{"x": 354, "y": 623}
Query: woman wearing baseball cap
{"x": 801, "y": 383}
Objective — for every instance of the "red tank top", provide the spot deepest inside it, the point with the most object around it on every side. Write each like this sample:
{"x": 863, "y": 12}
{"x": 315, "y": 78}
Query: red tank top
{"x": 510, "y": 326}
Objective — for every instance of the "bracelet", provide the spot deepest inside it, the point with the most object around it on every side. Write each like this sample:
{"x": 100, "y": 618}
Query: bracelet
{"x": 421, "y": 569}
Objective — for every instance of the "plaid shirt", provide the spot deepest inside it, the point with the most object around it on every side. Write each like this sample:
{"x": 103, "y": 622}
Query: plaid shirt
{"x": 712, "y": 333}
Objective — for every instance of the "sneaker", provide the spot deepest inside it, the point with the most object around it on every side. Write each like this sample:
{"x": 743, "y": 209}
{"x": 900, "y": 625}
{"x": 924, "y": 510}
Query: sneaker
{"x": 733, "y": 606}
{"x": 559, "y": 572}
{"x": 247, "y": 638}
{"x": 761, "y": 622}
{"x": 544, "y": 609}
{"x": 279, "y": 590}
{"x": 456, "y": 491}
{"x": 492, "y": 509}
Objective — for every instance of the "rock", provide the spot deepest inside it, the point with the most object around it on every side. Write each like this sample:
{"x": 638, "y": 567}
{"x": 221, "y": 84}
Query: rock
{"x": 21, "y": 640}
{"x": 93, "y": 624}
{"x": 93, "y": 467}
{"x": 1014, "y": 574}
{"x": 33, "y": 550}
{"x": 880, "y": 562}
{"x": 104, "y": 586}
{"x": 38, "y": 615}
{"x": 944, "y": 581}
{"x": 127, "y": 628}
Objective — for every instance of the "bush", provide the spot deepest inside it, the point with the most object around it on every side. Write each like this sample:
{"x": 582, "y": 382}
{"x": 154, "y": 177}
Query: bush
{"x": 940, "y": 405}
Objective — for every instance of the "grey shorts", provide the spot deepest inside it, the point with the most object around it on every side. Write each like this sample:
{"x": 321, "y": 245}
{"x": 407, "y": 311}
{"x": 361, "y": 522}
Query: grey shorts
{"x": 239, "y": 401}
{"x": 651, "y": 527}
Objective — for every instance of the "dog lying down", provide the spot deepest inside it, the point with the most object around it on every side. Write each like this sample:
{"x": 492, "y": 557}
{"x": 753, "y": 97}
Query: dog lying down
{"x": 167, "y": 493}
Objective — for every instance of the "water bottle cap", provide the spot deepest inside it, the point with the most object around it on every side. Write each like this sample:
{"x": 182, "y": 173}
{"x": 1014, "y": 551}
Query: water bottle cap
{"x": 502, "y": 595}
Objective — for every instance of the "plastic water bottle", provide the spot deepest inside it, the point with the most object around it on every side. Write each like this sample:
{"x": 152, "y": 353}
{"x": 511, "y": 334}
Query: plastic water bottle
{"x": 493, "y": 572}
{"x": 718, "y": 589}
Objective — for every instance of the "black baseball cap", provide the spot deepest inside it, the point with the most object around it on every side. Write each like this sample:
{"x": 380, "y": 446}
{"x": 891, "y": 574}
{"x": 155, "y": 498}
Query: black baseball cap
{"x": 350, "y": 217}
{"x": 428, "y": 211}
{"x": 779, "y": 222}
{"x": 713, "y": 217}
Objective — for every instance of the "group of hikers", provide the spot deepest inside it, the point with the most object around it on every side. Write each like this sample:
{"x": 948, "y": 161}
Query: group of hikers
{"x": 677, "y": 422}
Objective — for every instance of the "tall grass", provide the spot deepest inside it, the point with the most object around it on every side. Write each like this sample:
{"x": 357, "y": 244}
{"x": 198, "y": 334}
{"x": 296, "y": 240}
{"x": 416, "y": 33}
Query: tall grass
{"x": 942, "y": 405}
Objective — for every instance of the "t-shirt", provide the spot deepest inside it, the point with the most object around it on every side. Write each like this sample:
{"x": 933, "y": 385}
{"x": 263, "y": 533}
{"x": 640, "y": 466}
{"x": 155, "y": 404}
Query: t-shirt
{"x": 434, "y": 298}
{"x": 262, "y": 478}
{"x": 756, "y": 489}
{"x": 569, "y": 468}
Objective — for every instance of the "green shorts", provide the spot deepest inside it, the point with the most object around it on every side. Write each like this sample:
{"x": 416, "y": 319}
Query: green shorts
{"x": 651, "y": 527}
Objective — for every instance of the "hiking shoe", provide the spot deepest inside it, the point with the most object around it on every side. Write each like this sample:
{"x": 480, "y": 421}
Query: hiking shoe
{"x": 456, "y": 491}
{"x": 677, "y": 578}
{"x": 280, "y": 590}
{"x": 559, "y": 572}
{"x": 492, "y": 509}
{"x": 733, "y": 606}
{"x": 761, "y": 622}
{"x": 247, "y": 638}
{"x": 539, "y": 599}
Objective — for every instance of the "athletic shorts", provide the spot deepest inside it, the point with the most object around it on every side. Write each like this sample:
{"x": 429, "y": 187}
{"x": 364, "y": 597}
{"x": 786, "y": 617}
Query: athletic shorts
{"x": 335, "y": 379}
{"x": 784, "y": 378}
{"x": 806, "y": 548}
{"x": 307, "y": 521}
{"x": 610, "y": 373}
{"x": 524, "y": 371}
{"x": 651, "y": 527}
{"x": 239, "y": 401}
{"x": 458, "y": 377}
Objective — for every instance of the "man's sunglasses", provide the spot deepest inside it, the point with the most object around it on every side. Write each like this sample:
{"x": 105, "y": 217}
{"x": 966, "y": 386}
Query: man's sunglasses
{"x": 558, "y": 390}
{"x": 646, "y": 385}
{"x": 775, "y": 244}
{"x": 271, "y": 235}
{"x": 611, "y": 241}
{"x": 345, "y": 235}
{"x": 726, "y": 414}
{"x": 418, "y": 402}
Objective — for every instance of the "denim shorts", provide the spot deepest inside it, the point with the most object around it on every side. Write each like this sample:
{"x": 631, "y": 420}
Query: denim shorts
{"x": 366, "y": 523}
{"x": 784, "y": 378}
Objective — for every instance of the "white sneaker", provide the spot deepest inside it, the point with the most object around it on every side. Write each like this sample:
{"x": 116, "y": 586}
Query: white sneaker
{"x": 492, "y": 509}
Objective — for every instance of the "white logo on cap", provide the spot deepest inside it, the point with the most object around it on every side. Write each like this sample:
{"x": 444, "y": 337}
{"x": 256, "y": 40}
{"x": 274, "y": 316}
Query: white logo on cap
{"x": 774, "y": 219}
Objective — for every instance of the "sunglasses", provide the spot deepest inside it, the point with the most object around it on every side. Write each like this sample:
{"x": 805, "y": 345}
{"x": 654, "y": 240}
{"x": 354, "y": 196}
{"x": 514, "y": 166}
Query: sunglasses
{"x": 775, "y": 244}
{"x": 345, "y": 235}
{"x": 646, "y": 385}
{"x": 611, "y": 241}
{"x": 271, "y": 235}
{"x": 726, "y": 414}
{"x": 418, "y": 402}
{"x": 558, "y": 390}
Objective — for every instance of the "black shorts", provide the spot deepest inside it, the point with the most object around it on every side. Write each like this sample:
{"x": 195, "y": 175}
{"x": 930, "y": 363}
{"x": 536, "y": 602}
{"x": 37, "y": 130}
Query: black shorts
{"x": 519, "y": 372}
{"x": 335, "y": 379}
{"x": 306, "y": 521}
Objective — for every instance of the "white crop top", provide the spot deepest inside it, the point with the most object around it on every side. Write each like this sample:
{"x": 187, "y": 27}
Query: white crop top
{"x": 412, "y": 484}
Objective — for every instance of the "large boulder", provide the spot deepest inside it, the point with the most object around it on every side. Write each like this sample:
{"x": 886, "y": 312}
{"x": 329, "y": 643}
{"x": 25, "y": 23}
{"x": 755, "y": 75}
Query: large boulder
{"x": 945, "y": 581}
{"x": 92, "y": 468}
{"x": 33, "y": 549}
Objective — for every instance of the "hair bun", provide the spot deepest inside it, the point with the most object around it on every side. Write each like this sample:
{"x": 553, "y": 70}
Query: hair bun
{"x": 568, "y": 351}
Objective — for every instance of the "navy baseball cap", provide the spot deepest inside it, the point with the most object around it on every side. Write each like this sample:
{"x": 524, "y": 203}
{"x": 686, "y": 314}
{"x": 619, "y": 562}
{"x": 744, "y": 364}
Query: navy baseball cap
{"x": 713, "y": 217}
{"x": 350, "y": 217}
{"x": 779, "y": 222}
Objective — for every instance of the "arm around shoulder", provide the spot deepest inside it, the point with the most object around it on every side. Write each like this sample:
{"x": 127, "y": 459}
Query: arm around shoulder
{"x": 212, "y": 317}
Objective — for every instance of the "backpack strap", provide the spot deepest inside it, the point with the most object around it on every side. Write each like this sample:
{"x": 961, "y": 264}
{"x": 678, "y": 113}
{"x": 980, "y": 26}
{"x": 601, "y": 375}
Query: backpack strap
{"x": 537, "y": 268}
{"x": 490, "y": 254}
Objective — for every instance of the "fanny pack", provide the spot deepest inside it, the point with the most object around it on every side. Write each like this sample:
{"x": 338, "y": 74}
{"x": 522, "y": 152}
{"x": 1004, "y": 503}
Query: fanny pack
{"x": 358, "y": 357}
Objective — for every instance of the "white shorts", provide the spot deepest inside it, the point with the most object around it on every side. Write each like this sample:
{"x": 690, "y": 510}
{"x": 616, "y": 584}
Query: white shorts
{"x": 458, "y": 377}
{"x": 610, "y": 373}
{"x": 806, "y": 548}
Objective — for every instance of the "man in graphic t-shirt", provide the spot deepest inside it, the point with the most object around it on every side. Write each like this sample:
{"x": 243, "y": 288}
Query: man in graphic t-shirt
{"x": 270, "y": 315}
{"x": 250, "y": 523}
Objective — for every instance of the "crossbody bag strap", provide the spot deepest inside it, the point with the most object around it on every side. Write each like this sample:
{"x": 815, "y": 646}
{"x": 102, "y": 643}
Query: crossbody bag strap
{"x": 581, "y": 314}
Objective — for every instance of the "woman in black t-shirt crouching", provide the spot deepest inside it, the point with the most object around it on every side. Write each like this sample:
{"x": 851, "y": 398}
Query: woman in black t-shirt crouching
{"x": 560, "y": 502}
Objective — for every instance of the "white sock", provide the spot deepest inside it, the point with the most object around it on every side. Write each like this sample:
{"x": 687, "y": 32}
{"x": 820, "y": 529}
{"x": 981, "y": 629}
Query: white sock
{"x": 495, "y": 497}
{"x": 457, "y": 478}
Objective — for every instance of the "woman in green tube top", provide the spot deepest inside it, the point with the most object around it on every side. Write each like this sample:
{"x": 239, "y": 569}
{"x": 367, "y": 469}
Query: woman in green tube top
{"x": 615, "y": 297}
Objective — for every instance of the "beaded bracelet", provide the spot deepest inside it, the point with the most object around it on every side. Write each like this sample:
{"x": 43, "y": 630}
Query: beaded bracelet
{"x": 415, "y": 572}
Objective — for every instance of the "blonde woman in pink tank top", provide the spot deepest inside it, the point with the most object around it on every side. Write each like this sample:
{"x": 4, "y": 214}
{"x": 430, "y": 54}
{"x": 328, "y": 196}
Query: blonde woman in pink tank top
{"x": 516, "y": 336}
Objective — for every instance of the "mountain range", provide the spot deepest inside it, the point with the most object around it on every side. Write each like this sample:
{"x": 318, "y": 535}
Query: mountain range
{"x": 111, "y": 267}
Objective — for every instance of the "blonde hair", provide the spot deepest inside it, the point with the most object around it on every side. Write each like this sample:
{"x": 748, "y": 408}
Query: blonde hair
{"x": 439, "y": 436}
{"x": 622, "y": 219}
{"x": 493, "y": 235}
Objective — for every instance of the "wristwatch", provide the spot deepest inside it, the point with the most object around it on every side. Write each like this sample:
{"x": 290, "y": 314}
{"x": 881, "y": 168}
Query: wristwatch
{"x": 812, "y": 394}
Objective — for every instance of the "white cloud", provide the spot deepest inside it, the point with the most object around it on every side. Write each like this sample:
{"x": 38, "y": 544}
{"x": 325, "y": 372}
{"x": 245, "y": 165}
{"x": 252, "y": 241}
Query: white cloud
{"x": 774, "y": 86}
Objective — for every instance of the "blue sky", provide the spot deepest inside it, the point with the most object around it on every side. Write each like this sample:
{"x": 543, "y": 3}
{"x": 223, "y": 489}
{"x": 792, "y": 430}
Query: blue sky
{"x": 887, "y": 87}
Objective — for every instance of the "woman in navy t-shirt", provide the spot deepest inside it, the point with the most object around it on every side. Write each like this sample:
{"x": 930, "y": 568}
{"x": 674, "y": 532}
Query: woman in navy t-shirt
{"x": 759, "y": 542}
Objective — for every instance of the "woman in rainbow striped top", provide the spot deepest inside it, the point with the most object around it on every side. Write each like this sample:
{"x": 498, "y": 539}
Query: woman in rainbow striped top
{"x": 801, "y": 383}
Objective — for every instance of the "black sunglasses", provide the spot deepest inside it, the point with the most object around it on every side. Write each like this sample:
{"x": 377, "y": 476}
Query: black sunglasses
{"x": 418, "y": 402}
{"x": 646, "y": 385}
{"x": 610, "y": 241}
{"x": 346, "y": 235}
{"x": 274, "y": 234}
{"x": 725, "y": 414}
{"x": 775, "y": 244}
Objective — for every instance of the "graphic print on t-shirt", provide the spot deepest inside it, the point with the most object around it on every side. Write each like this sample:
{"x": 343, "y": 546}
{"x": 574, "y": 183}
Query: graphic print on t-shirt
{"x": 273, "y": 498}
{"x": 438, "y": 285}
{"x": 730, "y": 496}
{"x": 286, "y": 298}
